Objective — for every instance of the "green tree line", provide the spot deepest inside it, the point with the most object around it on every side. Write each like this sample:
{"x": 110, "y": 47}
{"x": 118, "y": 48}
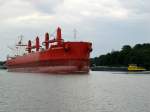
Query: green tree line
{"x": 2, "y": 63}
{"x": 139, "y": 54}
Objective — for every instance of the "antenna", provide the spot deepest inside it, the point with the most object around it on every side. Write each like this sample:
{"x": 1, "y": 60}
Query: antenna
{"x": 75, "y": 33}
{"x": 20, "y": 41}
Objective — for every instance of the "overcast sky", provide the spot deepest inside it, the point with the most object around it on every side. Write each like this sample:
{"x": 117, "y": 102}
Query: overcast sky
{"x": 108, "y": 24}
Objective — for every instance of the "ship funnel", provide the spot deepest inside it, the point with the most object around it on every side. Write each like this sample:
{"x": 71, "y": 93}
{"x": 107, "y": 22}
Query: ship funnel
{"x": 59, "y": 38}
{"x": 46, "y": 41}
{"x": 37, "y": 44}
{"x": 29, "y": 46}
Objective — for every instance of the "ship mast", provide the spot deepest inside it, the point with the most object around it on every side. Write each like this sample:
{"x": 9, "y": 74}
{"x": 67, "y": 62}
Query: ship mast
{"x": 75, "y": 33}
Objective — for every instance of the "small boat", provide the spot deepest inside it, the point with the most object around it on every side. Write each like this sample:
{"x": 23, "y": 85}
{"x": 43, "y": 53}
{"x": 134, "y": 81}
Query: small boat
{"x": 134, "y": 67}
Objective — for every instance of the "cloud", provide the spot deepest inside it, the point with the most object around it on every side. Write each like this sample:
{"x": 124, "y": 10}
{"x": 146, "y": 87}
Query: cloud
{"x": 137, "y": 7}
{"x": 15, "y": 8}
{"x": 45, "y": 6}
{"x": 93, "y": 9}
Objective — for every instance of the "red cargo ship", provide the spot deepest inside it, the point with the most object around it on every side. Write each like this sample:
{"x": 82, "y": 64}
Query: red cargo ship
{"x": 57, "y": 56}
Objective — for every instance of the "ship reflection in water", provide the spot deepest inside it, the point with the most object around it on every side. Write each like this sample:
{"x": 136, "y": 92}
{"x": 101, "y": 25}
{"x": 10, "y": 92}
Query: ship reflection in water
{"x": 96, "y": 92}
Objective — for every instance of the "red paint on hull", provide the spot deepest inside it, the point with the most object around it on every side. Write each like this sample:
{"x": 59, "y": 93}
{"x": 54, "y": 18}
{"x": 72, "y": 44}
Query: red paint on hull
{"x": 70, "y": 57}
{"x": 54, "y": 69}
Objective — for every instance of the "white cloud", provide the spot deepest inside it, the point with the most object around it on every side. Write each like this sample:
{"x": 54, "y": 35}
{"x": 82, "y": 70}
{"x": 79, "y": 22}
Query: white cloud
{"x": 45, "y": 6}
{"x": 93, "y": 9}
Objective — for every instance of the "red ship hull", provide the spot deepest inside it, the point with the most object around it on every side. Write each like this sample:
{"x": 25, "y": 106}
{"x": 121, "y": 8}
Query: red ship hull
{"x": 71, "y": 57}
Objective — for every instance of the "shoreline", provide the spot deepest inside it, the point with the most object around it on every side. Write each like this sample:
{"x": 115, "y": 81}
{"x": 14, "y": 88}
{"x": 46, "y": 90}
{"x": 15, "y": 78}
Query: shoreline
{"x": 107, "y": 68}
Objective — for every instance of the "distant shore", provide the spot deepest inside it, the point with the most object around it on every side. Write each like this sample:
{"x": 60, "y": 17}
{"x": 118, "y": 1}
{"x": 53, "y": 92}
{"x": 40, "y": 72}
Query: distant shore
{"x": 138, "y": 54}
{"x": 2, "y": 65}
{"x": 107, "y": 68}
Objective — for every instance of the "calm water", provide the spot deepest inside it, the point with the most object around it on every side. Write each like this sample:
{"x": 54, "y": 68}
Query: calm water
{"x": 97, "y": 92}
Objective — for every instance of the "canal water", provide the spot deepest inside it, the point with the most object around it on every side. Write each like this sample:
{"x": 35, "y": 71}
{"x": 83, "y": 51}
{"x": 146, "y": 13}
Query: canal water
{"x": 96, "y": 92}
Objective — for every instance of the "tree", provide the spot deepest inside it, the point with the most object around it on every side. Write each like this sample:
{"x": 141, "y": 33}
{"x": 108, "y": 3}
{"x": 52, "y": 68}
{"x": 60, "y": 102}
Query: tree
{"x": 139, "y": 54}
